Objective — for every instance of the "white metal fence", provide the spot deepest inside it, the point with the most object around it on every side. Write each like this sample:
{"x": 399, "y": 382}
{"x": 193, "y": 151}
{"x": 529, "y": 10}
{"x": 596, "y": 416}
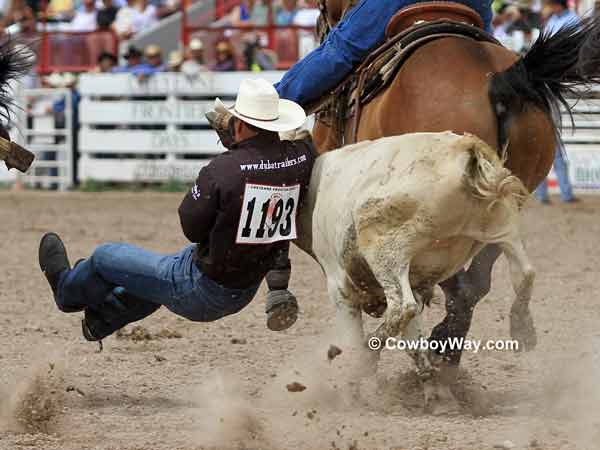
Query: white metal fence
{"x": 43, "y": 124}
{"x": 153, "y": 130}
{"x": 583, "y": 145}
{"x": 156, "y": 130}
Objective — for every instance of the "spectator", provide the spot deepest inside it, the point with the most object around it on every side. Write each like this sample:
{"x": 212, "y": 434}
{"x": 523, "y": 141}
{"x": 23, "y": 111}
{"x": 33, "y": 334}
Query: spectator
{"x": 147, "y": 15}
{"x": 154, "y": 59}
{"x": 286, "y": 12}
{"x": 175, "y": 61}
{"x": 86, "y": 18}
{"x": 107, "y": 15}
{"x": 562, "y": 173}
{"x": 307, "y": 17}
{"x": 558, "y": 14}
{"x": 196, "y": 51}
{"x": 58, "y": 10}
{"x": 166, "y": 8}
{"x": 133, "y": 58}
{"x": 24, "y": 23}
{"x": 154, "y": 63}
{"x": 225, "y": 58}
{"x": 123, "y": 24}
{"x": 107, "y": 62}
{"x": 250, "y": 12}
{"x": 194, "y": 64}
{"x": 258, "y": 57}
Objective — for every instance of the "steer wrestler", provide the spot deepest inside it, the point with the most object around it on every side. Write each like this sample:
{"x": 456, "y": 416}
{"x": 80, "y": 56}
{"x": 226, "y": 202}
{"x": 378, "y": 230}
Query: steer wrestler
{"x": 240, "y": 215}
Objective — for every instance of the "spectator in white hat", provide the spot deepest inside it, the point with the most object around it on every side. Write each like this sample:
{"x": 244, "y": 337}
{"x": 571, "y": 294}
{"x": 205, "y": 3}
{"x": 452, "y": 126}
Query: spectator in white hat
{"x": 175, "y": 61}
{"x": 194, "y": 63}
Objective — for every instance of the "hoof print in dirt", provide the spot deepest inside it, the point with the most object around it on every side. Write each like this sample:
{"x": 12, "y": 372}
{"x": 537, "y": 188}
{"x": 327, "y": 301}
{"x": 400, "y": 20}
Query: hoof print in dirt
{"x": 295, "y": 387}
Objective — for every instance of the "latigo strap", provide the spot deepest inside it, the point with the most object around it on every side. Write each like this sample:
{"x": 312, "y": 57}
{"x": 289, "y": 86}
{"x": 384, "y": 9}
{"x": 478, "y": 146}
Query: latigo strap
{"x": 15, "y": 156}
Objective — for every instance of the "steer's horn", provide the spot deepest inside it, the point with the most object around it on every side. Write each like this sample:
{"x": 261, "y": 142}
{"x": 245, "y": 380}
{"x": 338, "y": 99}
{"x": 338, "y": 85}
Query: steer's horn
{"x": 15, "y": 156}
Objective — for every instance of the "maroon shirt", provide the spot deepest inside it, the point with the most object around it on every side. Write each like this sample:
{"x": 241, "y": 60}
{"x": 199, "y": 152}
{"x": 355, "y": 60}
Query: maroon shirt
{"x": 217, "y": 209}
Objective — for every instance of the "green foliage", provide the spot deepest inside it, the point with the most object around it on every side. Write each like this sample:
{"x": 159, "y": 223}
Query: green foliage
{"x": 171, "y": 185}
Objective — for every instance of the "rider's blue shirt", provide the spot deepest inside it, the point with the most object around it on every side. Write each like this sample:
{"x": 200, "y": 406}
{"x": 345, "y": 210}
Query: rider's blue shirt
{"x": 361, "y": 30}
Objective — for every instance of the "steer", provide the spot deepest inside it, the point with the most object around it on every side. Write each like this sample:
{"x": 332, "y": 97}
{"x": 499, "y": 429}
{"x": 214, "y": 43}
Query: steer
{"x": 389, "y": 219}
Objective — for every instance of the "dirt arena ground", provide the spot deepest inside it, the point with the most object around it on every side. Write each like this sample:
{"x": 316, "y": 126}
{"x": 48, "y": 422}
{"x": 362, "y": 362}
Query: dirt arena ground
{"x": 180, "y": 385}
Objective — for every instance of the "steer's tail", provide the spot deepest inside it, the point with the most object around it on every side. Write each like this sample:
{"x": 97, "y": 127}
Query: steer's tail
{"x": 556, "y": 65}
{"x": 488, "y": 180}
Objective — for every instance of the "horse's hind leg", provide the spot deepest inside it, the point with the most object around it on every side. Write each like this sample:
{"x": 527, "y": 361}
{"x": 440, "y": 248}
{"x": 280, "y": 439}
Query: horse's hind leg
{"x": 522, "y": 276}
{"x": 463, "y": 291}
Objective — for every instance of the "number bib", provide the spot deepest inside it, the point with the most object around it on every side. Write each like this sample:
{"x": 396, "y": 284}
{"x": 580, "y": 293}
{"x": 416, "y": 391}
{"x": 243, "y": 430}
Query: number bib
{"x": 268, "y": 214}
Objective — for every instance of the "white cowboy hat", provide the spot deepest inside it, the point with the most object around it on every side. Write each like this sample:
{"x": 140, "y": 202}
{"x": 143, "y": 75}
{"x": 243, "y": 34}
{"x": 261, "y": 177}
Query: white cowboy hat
{"x": 196, "y": 44}
{"x": 258, "y": 104}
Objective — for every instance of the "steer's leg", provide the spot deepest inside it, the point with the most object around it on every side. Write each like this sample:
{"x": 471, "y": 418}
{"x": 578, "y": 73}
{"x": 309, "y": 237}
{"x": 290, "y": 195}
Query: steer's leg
{"x": 522, "y": 276}
{"x": 349, "y": 325}
{"x": 437, "y": 395}
{"x": 413, "y": 335}
{"x": 389, "y": 260}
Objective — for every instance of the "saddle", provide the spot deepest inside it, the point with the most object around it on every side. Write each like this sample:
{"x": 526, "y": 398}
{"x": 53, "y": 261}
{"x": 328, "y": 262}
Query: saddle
{"x": 408, "y": 30}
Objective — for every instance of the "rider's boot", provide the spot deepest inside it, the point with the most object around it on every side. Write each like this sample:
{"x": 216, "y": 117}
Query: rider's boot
{"x": 281, "y": 306}
{"x": 54, "y": 261}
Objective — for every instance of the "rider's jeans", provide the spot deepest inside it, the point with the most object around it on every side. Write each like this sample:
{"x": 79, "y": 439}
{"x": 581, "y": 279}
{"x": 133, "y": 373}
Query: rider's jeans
{"x": 173, "y": 281}
{"x": 361, "y": 30}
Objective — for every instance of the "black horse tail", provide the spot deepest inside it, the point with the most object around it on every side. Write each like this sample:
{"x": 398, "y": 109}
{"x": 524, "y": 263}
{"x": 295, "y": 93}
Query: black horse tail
{"x": 16, "y": 60}
{"x": 556, "y": 65}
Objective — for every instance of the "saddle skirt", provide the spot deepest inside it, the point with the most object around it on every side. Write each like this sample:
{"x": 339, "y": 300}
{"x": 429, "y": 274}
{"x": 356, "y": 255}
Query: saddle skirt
{"x": 409, "y": 29}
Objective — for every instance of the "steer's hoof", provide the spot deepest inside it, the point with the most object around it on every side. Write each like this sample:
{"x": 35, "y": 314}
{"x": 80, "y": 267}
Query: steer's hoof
{"x": 281, "y": 309}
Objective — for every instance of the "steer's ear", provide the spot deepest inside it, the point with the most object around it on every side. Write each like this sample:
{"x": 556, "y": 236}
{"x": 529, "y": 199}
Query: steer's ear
{"x": 15, "y": 156}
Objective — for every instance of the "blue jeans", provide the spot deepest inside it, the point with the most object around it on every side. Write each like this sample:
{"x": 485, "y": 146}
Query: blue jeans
{"x": 349, "y": 43}
{"x": 562, "y": 173}
{"x": 173, "y": 281}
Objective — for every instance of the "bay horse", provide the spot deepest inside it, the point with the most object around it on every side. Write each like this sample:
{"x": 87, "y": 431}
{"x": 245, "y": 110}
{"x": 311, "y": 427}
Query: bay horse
{"x": 512, "y": 103}
{"x": 16, "y": 60}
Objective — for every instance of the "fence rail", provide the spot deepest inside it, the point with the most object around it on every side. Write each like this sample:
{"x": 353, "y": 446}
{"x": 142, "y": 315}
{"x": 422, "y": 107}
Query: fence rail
{"x": 152, "y": 131}
{"x": 156, "y": 130}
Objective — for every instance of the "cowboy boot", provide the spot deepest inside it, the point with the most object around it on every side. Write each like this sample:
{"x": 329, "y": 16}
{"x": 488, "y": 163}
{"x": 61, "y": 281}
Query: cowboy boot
{"x": 53, "y": 260}
{"x": 281, "y": 306}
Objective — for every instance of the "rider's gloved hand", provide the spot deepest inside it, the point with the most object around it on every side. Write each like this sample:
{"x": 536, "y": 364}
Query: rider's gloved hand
{"x": 220, "y": 119}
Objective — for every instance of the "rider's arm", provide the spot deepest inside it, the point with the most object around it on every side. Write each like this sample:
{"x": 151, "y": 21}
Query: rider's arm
{"x": 198, "y": 210}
